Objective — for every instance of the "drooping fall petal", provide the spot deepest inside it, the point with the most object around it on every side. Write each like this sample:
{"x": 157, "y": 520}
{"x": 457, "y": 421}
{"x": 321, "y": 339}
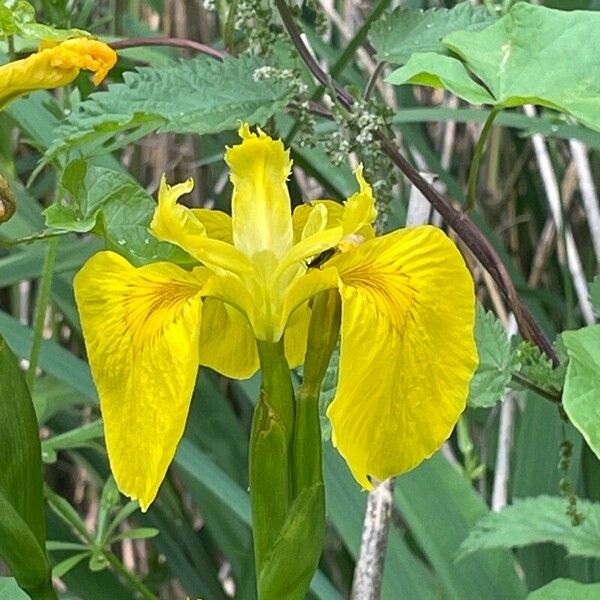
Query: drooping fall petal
{"x": 141, "y": 328}
{"x": 407, "y": 350}
{"x": 54, "y": 66}
{"x": 260, "y": 206}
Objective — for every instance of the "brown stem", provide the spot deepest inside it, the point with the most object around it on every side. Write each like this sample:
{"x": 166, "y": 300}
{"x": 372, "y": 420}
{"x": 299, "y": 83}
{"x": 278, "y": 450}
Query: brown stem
{"x": 173, "y": 42}
{"x": 466, "y": 230}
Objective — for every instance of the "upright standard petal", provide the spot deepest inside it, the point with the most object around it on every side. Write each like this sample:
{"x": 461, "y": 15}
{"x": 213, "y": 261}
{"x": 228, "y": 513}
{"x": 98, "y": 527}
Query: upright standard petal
{"x": 260, "y": 206}
{"x": 55, "y": 66}
{"x": 141, "y": 327}
{"x": 407, "y": 350}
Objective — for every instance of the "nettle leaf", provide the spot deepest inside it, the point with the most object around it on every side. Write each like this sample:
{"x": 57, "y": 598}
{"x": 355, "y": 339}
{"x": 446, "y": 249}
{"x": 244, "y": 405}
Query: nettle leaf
{"x": 536, "y": 367}
{"x": 115, "y": 207}
{"x": 201, "y": 96}
{"x": 328, "y": 389}
{"x": 17, "y": 17}
{"x": 581, "y": 396}
{"x": 521, "y": 58}
{"x": 559, "y": 589}
{"x": 496, "y": 361}
{"x": 536, "y": 521}
{"x": 403, "y": 32}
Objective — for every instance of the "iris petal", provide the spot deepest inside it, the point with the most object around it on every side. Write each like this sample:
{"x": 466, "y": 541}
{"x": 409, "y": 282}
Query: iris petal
{"x": 177, "y": 224}
{"x": 260, "y": 205}
{"x": 141, "y": 328}
{"x": 227, "y": 342}
{"x": 407, "y": 350}
{"x": 54, "y": 66}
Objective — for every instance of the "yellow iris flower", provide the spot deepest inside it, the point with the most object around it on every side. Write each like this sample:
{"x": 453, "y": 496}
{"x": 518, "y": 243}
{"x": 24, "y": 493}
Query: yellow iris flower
{"x": 55, "y": 65}
{"x": 407, "y": 349}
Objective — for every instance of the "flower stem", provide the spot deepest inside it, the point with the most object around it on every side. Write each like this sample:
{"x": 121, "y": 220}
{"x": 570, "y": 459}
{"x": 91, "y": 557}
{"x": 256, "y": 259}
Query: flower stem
{"x": 480, "y": 146}
{"x": 40, "y": 316}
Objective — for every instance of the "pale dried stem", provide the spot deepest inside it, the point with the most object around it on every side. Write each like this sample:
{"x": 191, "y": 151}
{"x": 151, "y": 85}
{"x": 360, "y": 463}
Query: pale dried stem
{"x": 368, "y": 574}
{"x": 573, "y": 260}
{"x": 588, "y": 193}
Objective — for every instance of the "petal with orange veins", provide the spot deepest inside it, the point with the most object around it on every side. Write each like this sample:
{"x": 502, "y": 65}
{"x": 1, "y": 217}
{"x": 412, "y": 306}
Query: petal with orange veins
{"x": 407, "y": 350}
{"x": 141, "y": 328}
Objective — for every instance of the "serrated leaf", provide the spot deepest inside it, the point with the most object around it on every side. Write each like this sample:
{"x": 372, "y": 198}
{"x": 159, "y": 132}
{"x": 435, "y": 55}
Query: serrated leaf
{"x": 199, "y": 96}
{"x": 527, "y": 56}
{"x": 115, "y": 207}
{"x": 581, "y": 396}
{"x": 536, "y": 521}
{"x": 403, "y": 32}
{"x": 559, "y": 589}
{"x": 496, "y": 361}
{"x": 537, "y": 368}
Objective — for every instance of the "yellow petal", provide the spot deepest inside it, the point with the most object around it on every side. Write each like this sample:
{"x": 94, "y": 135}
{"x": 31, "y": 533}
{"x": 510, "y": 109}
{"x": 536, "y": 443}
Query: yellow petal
{"x": 55, "y": 66}
{"x": 141, "y": 328}
{"x": 296, "y": 336}
{"x": 359, "y": 209}
{"x": 407, "y": 350}
{"x": 172, "y": 222}
{"x": 227, "y": 342}
{"x": 217, "y": 223}
{"x": 260, "y": 207}
{"x": 356, "y": 215}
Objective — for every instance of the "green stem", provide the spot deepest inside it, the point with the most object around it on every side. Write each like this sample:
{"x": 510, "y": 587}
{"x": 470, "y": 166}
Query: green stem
{"x": 474, "y": 172}
{"x": 42, "y": 305}
{"x": 12, "y": 54}
{"x": 551, "y": 395}
{"x": 131, "y": 579}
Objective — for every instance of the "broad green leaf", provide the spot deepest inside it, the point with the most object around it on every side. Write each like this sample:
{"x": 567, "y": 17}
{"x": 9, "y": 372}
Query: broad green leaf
{"x": 17, "y": 17}
{"x": 439, "y": 71}
{"x": 535, "y": 521}
{"x": 559, "y": 589}
{"x": 22, "y": 524}
{"x": 496, "y": 361}
{"x": 9, "y": 590}
{"x": 403, "y": 32}
{"x": 439, "y": 507}
{"x": 581, "y": 397}
{"x": 531, "y": 55}
{"x": 201, "y": 96}
{"x": 114, "y": 206}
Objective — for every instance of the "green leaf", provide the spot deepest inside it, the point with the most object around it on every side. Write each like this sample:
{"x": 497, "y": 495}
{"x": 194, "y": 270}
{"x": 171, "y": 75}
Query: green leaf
{"x": 300, "y": 537}
{"x": 17, "y": 17}
{"x": 22, "y": 524}
{"x": 199, "y": 96}
{"x": 441, "y": 72}
{"x": 538, "y": 368}
{"x": 63, "y": 567}
{"x": 535, "y": 521}
{"x": 9, "y": 590}
{"x": 525, "y": 57}
{"x": 581, "y": 397}
{"x": 138, "y": 533}
{"x": 559, "y": 589}
{"x": 115, "y": 207}
{"x": 404, "y": 32}
{"x": 496, "y": 361}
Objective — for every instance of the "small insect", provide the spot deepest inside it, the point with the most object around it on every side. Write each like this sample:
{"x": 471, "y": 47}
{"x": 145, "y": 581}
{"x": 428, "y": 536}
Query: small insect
{"x": 319, "y": 260}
